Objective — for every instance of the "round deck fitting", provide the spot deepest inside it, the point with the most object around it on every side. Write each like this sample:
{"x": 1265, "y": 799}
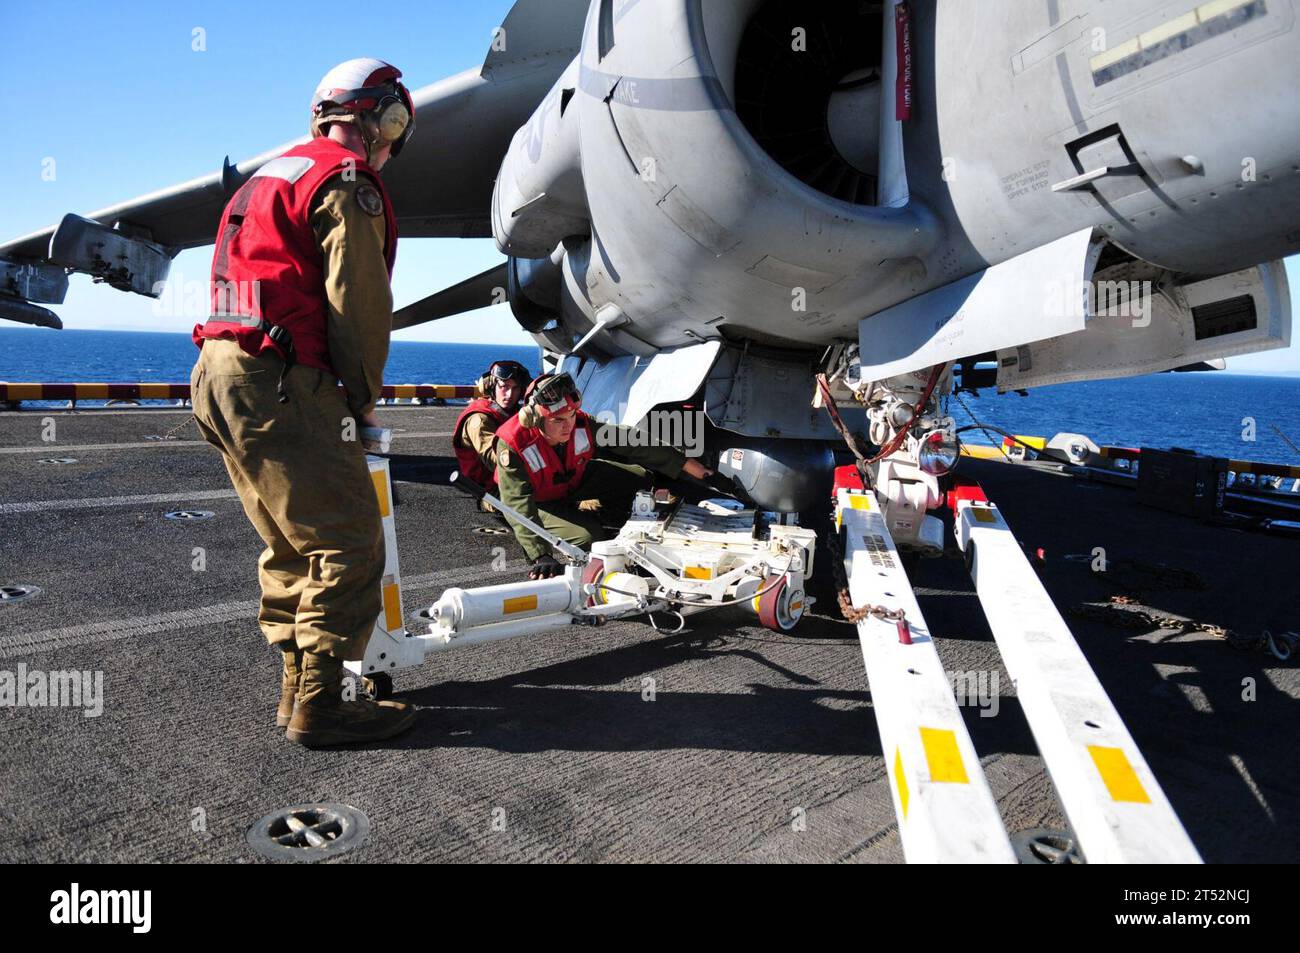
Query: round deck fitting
{"x": 189, "y": 515}
{"x": 12, "y": 595}
{"x": 1041, "y": 845}
{"x": 306, "y": 833}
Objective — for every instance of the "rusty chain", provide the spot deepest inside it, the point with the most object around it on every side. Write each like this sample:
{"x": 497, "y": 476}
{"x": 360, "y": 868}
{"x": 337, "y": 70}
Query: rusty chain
{"x": 178, "y": 428}
{"x": 1117, "y": 617}
{"x": 852, "y": 613}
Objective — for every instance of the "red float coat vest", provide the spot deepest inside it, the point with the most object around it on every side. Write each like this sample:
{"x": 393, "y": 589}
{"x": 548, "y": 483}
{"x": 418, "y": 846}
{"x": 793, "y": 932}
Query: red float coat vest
{"x": 466, "y": 459}
{"x": 267, "y": 263}
{"x": 551, "y": 477}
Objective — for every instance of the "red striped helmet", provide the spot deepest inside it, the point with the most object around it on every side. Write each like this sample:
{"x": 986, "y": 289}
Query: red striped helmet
{"x": 366, "y": 87}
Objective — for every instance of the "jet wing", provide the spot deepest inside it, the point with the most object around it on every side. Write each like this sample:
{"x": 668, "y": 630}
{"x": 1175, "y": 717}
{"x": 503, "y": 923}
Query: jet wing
{"x": 441, "y": 186}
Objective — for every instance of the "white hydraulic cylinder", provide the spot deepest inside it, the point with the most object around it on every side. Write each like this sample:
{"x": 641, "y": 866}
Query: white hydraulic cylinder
{"x": 463, "y": 609}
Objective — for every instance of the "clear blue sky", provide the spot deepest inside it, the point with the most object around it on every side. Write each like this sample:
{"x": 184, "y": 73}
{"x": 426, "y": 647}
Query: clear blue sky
{"x": 116, "y": 95}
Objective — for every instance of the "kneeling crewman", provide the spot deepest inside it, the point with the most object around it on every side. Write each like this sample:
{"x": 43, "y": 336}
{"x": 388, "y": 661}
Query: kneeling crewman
{"x": 552, "y": 455}
{"x": 474, "y": 436}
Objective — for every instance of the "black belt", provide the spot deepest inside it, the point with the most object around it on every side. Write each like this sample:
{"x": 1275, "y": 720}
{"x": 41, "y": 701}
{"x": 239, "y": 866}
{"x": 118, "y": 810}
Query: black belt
{"x": 279, "y": 336}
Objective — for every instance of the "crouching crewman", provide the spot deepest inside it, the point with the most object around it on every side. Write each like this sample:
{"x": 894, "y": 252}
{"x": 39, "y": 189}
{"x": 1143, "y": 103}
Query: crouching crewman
{"x": 552, "y": 455}
{"x": 474, "y": 436}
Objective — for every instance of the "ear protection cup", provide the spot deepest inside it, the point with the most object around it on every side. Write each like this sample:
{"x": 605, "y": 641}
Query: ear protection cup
{"x": 484, "y": 387}
{"x": 389, "y": 123}
{"x": 391, "y": 119}
{"x": 529, "y": 417}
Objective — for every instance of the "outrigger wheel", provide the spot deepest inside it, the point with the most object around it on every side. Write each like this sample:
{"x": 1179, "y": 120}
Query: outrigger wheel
{"x": 594, "y": 572}
{"x": 781, "y": 607}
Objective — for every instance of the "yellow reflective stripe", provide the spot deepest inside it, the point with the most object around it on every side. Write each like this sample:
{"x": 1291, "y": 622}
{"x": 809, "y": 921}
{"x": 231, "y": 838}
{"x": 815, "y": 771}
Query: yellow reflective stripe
{"x": 519, "y": 604}
{"x": 377, "y": 477}
{"x": 1217, "y": 8}
{"x": 901, "y": 781}
{"x": 943, "y": 756}
{"x": 1118, "y": 775}
{"x": 392, "y": 607}
{"x": 983, "y": 514}
{"x": 1165, "y": 31}
{"x": 1115, "y": 54}
{"x": 1168, "y": 29}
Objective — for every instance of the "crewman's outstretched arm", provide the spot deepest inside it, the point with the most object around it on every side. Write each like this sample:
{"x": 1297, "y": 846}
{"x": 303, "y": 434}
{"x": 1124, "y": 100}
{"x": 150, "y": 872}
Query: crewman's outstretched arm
{"x": 515, "y": 490}
{"x": 357, "y": 291}
{"x": 623, "y": 443}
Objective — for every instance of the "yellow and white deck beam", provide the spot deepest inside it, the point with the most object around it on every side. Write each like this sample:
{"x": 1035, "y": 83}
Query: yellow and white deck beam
{"x": 946, "y": 812}
{"x": 1112, "y": 799}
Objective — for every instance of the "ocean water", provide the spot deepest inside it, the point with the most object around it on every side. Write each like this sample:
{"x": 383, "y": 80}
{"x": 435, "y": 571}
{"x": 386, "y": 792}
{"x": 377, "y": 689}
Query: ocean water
{"x": 1208, "y": 412}
{"x": 43, "y": 355}
{"x": 1211, "y": 412}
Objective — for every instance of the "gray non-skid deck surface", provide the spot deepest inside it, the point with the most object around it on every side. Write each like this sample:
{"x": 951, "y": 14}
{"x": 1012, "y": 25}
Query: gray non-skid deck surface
{"x": 747, "y": 727}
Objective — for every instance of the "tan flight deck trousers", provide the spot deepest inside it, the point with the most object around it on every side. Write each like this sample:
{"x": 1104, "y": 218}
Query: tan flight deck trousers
{"x": 305, "y": 489}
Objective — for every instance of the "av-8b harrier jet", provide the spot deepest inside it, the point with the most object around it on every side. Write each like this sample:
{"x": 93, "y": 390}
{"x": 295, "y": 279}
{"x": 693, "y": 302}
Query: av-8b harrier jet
{"x": 717, "y": 201}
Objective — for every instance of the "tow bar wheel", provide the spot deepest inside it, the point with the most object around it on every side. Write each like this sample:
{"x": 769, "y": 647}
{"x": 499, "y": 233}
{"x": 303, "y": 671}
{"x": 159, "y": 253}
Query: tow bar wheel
{"x": 594, "y": 573}
{"x": 781, "y": 607}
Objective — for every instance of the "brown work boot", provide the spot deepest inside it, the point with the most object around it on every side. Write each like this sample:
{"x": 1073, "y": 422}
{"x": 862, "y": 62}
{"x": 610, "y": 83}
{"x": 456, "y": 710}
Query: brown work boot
{"x": 288, "y": 687}
{"x": 322, "y": 718}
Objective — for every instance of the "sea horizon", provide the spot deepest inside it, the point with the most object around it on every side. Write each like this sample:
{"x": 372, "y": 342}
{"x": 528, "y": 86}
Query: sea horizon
{"x": 1244, "y": 415}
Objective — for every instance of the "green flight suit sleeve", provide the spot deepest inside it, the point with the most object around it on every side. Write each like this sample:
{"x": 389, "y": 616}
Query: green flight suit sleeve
{"x": 614, "y": 442}
{"x": 357, "y": 289}
{"x": 516, "y": 491}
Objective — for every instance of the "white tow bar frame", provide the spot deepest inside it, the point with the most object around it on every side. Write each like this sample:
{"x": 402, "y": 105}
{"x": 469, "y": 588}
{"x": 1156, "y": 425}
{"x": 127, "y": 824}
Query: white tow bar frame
{"x": 1114, "y": 803}
{"x": 946, "y": 812}
{"x": 387, "y": 649}
{"x": 691, "y": 559}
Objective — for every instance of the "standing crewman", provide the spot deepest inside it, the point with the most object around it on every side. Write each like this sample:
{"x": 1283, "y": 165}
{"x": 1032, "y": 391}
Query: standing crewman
{"x": 301, "y": 300}
{"x": 475, "y": 433}
{"x": 551, "y": 455}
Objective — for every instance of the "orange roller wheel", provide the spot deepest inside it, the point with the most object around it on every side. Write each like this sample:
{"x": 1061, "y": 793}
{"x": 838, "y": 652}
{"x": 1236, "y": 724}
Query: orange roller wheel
{"x": 594, "y": 572}
{"x": 781, "y": 607}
